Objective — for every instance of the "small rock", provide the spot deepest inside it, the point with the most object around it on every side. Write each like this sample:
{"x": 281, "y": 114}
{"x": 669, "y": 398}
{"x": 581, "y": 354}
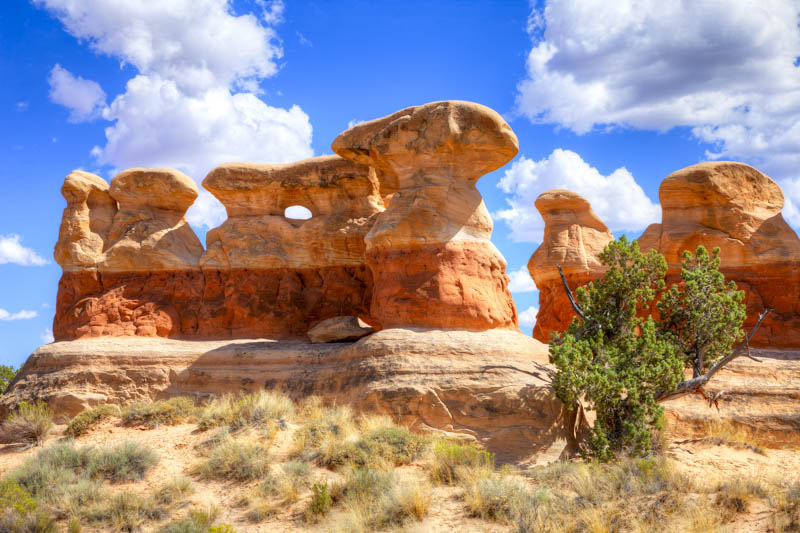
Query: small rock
{"x": 339, "y": 329}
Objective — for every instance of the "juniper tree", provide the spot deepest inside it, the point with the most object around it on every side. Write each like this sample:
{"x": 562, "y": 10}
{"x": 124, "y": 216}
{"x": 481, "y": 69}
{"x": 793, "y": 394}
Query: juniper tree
{"x": 623, "y": 362}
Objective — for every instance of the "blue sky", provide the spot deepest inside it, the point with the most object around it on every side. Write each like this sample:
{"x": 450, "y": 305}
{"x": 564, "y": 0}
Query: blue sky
{"x": 606, "y": 98}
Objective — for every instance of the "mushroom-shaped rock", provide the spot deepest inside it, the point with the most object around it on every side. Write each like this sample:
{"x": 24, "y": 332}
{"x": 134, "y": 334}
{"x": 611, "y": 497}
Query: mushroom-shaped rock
{"x": 737, "y": 208}
{"x": 85, "y": 222}
{"x": 574, "y": 236}
{"x": 429, "y": 252}
{"x": 150, "y": 231}
{"x": 268, "y": 275}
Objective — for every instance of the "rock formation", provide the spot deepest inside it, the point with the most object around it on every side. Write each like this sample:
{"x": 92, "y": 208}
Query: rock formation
{"x": 491, "y": 386}
{"x": 735, "y": 207}
{"x": 430, "y": 255}
{"x": 573, "y": 237}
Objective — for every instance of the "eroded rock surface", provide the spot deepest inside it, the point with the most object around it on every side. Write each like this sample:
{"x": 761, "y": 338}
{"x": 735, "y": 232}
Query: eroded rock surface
{"x": 573, "y": 238}
{"x": 429, "y": 252}
{"x": 738, "y": 208}
{"x": 339, "y": 329}
{"x": 493, "y": 386}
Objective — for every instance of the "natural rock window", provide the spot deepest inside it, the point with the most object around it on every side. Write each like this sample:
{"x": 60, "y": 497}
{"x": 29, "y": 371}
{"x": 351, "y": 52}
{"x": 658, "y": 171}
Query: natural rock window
{"x": 297, "y": 212}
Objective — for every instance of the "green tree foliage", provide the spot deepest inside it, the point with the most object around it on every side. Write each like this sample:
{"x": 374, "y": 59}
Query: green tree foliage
{"x": 704, "y": 315}
{"x": 7, "y": 373}
{"x": 619, "y": 359}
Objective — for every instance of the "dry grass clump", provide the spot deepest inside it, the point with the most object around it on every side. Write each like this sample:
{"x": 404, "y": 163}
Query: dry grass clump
{"x": 786, "y": 516}
{"x": 87, "y": 419}
{"x": 235, "y": 459}
{"x": 163, "y": 412}
{"x": 29, "y": 424}
{"x": 723, "y": 432}
{"x": 380, "y": 447}
{"x": 197, "y": 521}
{"x": 125, "y": 511}
{"x": 238, "y": 411}
{"x": 453, "y": 462}
{"x": 324, "y": 431}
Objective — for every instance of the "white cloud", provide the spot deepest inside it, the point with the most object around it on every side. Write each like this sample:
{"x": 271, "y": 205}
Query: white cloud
{"x": 528, "y": 317}
{"x": 354, "y": 122}
{"x": 617, "y": 199}
{"x": 47, "y": 336}
{"x": 727, "y": 69}
{"x": 521, "y": 281}
{"x": 22, "y": 106}
{"x": 19, "y": 315}
{"x": 85, "y": 99}
{"x": 11, "y": 251}
{"x": 193, "y": 104}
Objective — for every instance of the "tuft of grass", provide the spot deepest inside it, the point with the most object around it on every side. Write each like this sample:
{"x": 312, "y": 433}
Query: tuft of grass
{"x": 196, "y": 521}
{"x": 238, "y": 411}
{"x": 87, "y": 419}
{"x": 29, "y": 423}
{"x": 126, "y": 511}
{"x": 496, "y": 498}
{"x": 174, "y": 491}
{"x": 453, "y": 462}
{"x": 382, "y": 446}
{"x": 236, "y": 460}
{"x": 320, "y": 503}
{"x": 128, "y": 461}
{"x": 726, "y": 433}
{"x": 324, "y": 431}
{"x": 163, "y": 412}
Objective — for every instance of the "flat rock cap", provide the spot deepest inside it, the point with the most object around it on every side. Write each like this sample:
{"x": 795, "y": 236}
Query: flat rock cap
{"x": 162, "y": 188}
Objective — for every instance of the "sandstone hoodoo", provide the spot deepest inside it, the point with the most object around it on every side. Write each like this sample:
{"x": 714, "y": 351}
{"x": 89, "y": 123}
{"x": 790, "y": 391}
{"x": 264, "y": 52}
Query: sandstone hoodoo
{"x": 735, "y": 207}
{"x": 573, "y": 237}
{"x": 432, "y": 262}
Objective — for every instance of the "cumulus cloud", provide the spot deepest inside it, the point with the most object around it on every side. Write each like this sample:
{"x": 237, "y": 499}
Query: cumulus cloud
{"x": 528, "y": 317}
{"x": 47, "y": 336}
{"x": 521, "y": 281}
{"x": 726, "y": 69}
{"x": 617, "y": 199}
{"x": 11, "y": 251}
{"x": 19, "y": 315}
{"x": 85, "y": 99}
{"x": 194, "y": 103}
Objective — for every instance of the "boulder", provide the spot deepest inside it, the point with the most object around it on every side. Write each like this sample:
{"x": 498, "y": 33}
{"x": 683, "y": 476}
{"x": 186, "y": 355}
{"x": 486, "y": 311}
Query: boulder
{"x": 430, "y": 255}
{"x": 339, "y": 329}
{"x": 492, "y": 386}
{"x": 735, "y": 207}
{"x": 573, "y": 238}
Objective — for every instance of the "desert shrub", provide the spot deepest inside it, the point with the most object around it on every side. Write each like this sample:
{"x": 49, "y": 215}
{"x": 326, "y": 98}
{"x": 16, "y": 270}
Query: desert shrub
{"x": 125, "y": 511}
{"x": 320, "y": 503}
{"x": 452, "y": 462}
{"x": 174, "y": 491}
{"x": 236, "y": 460}
{"x": 87, "y": 419}
{"x": 128, "y": 461}
{"x": 7, "y": 373}
{"x": 20, "y": 512}
{"x": 195, "y": 521}
{"x": 163, "y": 412}
{"x": 324, "y": 431}
{"x": 387, "y": 445}
{"x": 29, "y": 423}
{"x": 496, "y": 498}
{"x": 237, "y": 411}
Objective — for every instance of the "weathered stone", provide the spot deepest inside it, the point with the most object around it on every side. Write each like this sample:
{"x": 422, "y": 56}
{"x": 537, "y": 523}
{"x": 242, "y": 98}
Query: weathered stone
{"x": 339, "y": 329}
{"x": 573, "y": 238}
{"x": 429, "y": 252}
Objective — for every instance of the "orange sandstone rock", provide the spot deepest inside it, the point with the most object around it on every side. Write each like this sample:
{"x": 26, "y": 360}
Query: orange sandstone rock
{"x": 429, "y": 252}
{"x": 573, "y": 237}
{"x": 735, "y": 207}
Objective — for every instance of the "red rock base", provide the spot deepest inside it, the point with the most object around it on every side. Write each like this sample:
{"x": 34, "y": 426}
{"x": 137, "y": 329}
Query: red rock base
{"x": 212, "y": 304}
{"x": 453, "y": 285}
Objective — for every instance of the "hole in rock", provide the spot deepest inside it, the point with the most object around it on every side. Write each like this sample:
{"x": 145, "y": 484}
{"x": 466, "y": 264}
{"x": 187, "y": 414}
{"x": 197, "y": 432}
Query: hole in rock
{"x": 297, "y": 212}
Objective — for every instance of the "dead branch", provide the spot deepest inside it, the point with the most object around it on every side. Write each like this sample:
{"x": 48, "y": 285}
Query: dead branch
{"x": 572, "y": 301}
{"x": 695, "y": 385}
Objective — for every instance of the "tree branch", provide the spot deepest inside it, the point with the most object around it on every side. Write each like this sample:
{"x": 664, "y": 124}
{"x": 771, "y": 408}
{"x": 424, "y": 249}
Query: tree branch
{"x": 695, "y": 385}
{"x": 575, "y": 306}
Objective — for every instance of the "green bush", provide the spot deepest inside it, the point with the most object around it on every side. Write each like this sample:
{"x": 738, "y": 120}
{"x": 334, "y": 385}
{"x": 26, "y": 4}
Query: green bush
{"x": 128, "y": 461}
{"x": 320, "y": 503}
{"x": 7, "y": 374}
{"x": 87, "y": 419}
{"x": 384, "y": 445}
{"x": 163, "y": 412}
{"x": 232, "y": 459}
{"x": 30, "y": 423}
{"x": 452, "y": 462}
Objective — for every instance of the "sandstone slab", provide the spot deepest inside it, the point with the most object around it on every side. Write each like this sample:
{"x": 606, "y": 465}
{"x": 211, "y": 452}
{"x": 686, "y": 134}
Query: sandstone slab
{"x": 339, "y": 329}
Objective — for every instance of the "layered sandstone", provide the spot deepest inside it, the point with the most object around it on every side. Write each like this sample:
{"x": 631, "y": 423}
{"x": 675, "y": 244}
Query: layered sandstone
{"x": 430, "y": 255}
{"x": 133, "y": 266}
{"x": 492, "y": 386}
{"x": 737, "y": 208}
{"x": 573, "y": 238}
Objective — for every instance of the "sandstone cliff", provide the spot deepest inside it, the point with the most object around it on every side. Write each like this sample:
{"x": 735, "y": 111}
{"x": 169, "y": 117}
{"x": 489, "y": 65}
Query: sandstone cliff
{"x": 573, "y": 237}
{"x": 430, "y": 255}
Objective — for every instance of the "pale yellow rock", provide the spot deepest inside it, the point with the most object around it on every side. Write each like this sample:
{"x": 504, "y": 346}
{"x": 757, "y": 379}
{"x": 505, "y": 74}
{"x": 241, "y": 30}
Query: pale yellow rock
{"x": 338, "y": 329}
{"x": 150, "y": 231}
{"x": 493, "y": 386}
{"x": 85, "y": 222}
{"x": 725, "y": 204}
{"x": 343, "y": 198}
